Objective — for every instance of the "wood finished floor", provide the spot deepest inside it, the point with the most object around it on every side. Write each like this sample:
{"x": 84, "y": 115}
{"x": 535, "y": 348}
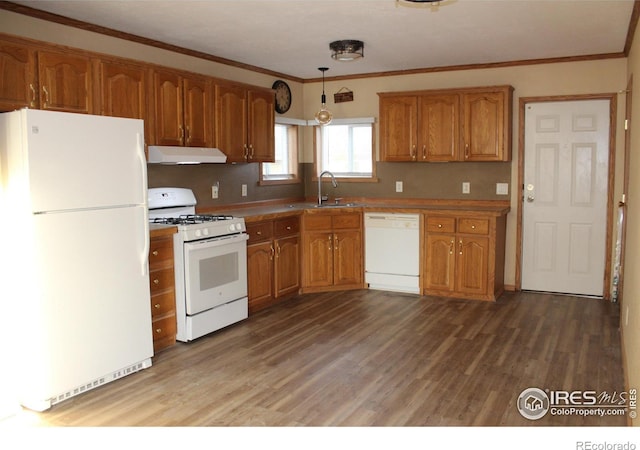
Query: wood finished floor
{"x": 371, "y": 358}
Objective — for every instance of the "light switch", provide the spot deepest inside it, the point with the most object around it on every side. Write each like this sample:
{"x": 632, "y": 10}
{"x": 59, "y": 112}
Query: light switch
{"x": 502, "y": 188}
{"x": 244, "y": 190}
{"x": 466, "y": 187}
{"x": 399, "y": 186}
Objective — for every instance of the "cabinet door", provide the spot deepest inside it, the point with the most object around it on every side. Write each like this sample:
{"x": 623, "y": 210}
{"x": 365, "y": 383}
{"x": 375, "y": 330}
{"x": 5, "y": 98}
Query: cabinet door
{"x": 318, "y": 258}
{"x": 168, "y": 108}
{"x": 65, "y": 82}
{"x": 484, "y": 126}
{"x": 259, "y": 275}
{"x": 123, "y": 91}
{"x": 471, "y": 265}
{"x": 231, "y": 120}
{"x": 439, "y": 127}
{"x": 287, "y": 265}
{"x": 347, "y": 258}
{"x": 440, "y": 262}
{"x": 197, "y": 112}
{"x": 398, "y": 128}
{"x": 18, "y": 88}
{"x": 261, "y": 123}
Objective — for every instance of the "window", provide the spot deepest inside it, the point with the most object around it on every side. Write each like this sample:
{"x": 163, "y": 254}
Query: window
{"x": 285, "y": 168}
{"x": 345, "y": 148}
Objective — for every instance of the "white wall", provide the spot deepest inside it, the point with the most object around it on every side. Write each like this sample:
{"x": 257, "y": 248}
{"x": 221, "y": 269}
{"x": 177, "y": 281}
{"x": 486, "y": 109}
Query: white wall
{"x": 571, "y": 78}
{"x": 630, "y": 305}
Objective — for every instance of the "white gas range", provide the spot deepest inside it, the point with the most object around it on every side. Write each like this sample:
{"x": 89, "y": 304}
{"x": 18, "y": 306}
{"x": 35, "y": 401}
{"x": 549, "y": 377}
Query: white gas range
{"x": 210, "y": 253}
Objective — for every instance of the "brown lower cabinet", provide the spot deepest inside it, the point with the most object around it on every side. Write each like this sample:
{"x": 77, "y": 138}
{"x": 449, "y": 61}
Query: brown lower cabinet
{"x": 464, "y": 255}
{"x": 163, "y": 294}
{"x": 332, "y": 250}
{"x": 273, "y": 261}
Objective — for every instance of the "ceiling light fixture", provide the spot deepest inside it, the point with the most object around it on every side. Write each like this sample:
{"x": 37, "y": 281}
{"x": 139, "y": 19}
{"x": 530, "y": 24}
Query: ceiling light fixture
{"x": 433, "y": 4}
{"x": 324, "y": 116}
{"x": 347, "y": 50}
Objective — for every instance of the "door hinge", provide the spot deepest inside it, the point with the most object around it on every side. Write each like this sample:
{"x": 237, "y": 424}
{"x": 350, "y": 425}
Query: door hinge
{"x": 626, "y": 124}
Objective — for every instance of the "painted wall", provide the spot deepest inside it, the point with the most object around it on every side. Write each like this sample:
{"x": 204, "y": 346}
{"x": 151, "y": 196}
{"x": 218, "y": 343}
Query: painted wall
{"x": 587, "y": 77}
{"x": 630, "y": 302}
{"x": 442, "y": 180}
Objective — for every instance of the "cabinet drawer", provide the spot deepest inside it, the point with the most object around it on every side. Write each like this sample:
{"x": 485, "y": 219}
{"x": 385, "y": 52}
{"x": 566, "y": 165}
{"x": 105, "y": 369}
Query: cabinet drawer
{"x": 347, "y": 221}
{"x": 164, "y": 327}
{"x": 259, "y": 231}
{"x": 160, "y": 280}
{"x": 160, "y": 251}
{"x": 441, "y": 224}
{"x": 473, "y": 226}
{"x": 286, "y": 226}
{"x": 162, "y": 304}
{"x": 317, "y": 222}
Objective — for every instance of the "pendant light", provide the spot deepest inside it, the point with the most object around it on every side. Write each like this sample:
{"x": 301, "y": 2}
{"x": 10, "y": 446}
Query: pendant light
{"x": 324, "y": 116}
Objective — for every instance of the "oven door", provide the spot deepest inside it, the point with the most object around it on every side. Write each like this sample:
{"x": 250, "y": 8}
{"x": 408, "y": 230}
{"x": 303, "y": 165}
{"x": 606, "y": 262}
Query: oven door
{"x": 215, "y": 272}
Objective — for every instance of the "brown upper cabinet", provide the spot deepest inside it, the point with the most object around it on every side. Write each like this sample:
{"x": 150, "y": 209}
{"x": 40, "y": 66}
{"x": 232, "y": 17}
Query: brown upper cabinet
{"x": 34, "y": 78}
{"x": 183, "y": 109}
{"x": 65, "y": 82}
{"x": 18, "y": 81}
{"x": 123, "y": 91}
{"x": 245, "y": 120}
{"x": 471, "y": 124}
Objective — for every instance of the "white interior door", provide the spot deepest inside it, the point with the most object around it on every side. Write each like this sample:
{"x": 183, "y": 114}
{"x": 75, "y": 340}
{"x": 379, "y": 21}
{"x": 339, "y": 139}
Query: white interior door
{"x": 565, "y": 196}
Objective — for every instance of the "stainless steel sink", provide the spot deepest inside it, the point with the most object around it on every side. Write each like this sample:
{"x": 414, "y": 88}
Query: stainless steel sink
{"x": 335, "y": 205}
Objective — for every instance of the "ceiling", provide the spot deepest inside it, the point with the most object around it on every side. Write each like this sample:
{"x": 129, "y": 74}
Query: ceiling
{"x": 291, "y": 37}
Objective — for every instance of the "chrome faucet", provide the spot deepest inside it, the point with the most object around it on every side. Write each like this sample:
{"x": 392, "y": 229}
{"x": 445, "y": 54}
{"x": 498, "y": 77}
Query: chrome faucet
{"x": 333, "y": 182}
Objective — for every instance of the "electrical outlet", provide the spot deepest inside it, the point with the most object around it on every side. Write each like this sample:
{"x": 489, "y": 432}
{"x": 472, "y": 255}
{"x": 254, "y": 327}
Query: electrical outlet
{"x": 502, "y": 188}
{"x": 214, "y": 191}
{"x": 466, "y": 187}
{"x": 244, "y": 190}
{"x": 399, "y": 186}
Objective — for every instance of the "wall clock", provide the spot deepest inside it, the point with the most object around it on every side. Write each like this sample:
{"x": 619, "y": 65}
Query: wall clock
{"x": 283, "y": 96}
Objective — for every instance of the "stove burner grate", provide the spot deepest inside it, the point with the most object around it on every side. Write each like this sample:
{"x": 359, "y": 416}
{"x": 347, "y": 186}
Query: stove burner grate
{"x": 188, "y": 219}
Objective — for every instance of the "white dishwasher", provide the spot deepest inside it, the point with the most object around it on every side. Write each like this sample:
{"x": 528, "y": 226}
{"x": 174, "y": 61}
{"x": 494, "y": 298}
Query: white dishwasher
{"x": 392, "y": 251}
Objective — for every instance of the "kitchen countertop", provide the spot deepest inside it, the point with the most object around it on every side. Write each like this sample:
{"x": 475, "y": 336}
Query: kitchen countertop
{"x": 158, "y": 230}
{"x": 269, "y": 212}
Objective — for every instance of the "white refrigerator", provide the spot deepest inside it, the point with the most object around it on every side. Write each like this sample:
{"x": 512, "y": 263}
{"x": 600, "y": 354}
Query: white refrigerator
{"x": 75, "y": 254}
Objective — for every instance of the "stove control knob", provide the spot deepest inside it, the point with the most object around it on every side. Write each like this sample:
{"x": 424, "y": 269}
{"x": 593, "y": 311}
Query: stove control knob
{"x": 205, "y": 232}
{"x": 232, "y": 227}
{"x": 198, "y": 233}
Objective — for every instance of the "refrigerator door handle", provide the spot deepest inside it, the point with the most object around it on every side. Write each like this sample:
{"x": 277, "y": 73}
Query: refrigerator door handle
{"x": 144, "y": 257}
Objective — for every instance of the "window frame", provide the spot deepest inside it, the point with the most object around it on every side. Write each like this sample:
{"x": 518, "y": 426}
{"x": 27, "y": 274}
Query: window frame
{"x": 317, "y": 148}
{"x": 293, "y": 135}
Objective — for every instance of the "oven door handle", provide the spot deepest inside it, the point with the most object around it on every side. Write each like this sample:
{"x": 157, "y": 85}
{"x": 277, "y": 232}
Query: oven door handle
{"x": 218, "y": 241}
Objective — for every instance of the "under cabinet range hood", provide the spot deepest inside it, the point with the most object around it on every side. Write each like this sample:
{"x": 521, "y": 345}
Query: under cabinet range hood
{"x": 165, "y": 154}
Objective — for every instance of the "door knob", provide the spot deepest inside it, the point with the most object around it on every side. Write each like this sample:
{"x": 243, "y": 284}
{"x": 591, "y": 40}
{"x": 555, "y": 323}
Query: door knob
{"x": 530, "y": 198}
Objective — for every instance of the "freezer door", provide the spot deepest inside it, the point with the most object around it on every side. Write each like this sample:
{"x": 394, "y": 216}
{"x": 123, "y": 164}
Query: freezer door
{"x": 78, "y": 161}
{"x": 85, "y": 303}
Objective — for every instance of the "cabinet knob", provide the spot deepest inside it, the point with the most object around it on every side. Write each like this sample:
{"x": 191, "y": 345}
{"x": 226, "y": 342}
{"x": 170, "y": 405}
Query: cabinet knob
{"x": 473, "y": 227}
{"x": 156, "y": 281}
{"x": 439, "y": 225}
{"x": 157, "y": 306}
{"x": 288, "y": 228}
{"x": 158, "y": 330}
{"x": 155, "y": 253}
